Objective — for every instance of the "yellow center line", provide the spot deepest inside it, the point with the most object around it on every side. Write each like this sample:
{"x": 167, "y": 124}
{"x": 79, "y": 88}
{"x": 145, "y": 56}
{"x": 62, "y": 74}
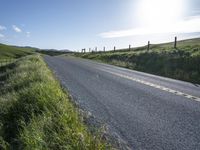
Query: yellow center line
{"x": 179, "y": 93}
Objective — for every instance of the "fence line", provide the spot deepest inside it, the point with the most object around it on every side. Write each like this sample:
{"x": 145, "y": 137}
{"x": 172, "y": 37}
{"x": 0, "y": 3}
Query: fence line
{"x": 129, "y": 47}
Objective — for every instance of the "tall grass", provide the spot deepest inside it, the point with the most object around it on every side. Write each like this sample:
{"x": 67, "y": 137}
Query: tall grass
{"x": 35, "y": 113}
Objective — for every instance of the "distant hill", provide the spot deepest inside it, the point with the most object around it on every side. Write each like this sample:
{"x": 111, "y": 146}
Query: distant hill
{"x": 7, "y": 51}
{"x": 65, "y": 50}
{"x": 53, "y": 52}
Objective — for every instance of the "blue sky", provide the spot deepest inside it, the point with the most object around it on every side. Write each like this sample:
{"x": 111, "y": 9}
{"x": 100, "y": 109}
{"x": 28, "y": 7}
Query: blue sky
{"x": 77, "y": 24}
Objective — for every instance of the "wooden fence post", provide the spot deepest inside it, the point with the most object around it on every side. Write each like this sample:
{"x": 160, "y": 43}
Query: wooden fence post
{"x": 175, "y": 42}
{"x": 148, "y": 46}
{"x": 83, "y": 50}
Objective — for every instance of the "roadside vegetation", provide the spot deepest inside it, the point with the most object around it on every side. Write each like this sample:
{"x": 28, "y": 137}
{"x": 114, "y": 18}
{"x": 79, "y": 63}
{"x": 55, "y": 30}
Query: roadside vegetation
{"x": 35, "y": 113}
{"x": 182, "y": 63}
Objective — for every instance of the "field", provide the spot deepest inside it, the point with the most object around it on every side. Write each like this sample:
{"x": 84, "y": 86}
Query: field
{"x": 8, "y": 52}
{"x": 35, "y": 113}
{"x": 14, "y": 52}
{"x": 162, "y": 59}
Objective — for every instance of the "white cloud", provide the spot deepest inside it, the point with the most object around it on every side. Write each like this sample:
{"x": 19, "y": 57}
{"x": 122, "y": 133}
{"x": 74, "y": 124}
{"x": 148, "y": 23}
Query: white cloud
{"x": 28, "y": 34}
{"x": 16, "y": 29}
{"x": 2, "y": 28}
{"x": 1, "y": 35}
{"x": 188, "y": 25}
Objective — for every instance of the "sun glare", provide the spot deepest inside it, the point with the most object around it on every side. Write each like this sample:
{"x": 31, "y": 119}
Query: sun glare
{"x": 159, "y": 12}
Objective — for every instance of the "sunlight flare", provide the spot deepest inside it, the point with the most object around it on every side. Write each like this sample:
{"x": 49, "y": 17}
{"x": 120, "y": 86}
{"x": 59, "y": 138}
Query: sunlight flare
{"x": 160, "y": 12}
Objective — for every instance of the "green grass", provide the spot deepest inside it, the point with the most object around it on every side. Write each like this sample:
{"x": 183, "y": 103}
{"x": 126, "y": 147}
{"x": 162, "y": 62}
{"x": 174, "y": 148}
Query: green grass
{"x": 7, "y": 52}
{"x": 14, "y": 52}
{"x": 162, "y": 59}
{"x": 35, "y": 113}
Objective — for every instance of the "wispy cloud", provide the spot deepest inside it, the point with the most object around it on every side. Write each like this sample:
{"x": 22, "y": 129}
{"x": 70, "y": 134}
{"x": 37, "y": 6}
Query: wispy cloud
{"x": 28, "y": 34}
{"x": 1, "y": 35}
{"x": 188, "y": 25}
{"x": 196, "y": 12}
{"x": 2, "y": 28}
{"x": 16, "y": 29}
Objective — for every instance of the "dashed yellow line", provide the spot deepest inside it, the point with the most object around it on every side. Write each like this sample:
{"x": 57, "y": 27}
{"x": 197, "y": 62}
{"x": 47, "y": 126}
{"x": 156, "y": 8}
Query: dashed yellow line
{"x": 155, "y": 85}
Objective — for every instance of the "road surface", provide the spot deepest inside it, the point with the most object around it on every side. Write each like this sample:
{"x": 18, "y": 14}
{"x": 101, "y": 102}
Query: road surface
{"x": 147, "y": 111}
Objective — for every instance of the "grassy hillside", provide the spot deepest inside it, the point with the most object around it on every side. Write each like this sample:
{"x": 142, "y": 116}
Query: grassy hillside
{"x": 7, "y": 51}
{"x": 35, "y": 113}
{"x": 162, "y": 59}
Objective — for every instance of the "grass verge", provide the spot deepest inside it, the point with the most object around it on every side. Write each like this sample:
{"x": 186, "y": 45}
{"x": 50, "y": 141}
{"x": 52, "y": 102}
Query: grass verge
{"x": 35, "y": 113}
{"x": 181, "y": 63}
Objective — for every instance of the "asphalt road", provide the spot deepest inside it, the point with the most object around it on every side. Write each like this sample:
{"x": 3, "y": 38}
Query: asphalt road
{"x": 147, "y": 111}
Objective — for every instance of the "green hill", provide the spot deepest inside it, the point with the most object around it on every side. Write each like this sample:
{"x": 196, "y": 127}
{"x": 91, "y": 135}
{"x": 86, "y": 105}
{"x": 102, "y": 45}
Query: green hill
{"x": 162, "y": 59}
{"x": 7, "y": 51}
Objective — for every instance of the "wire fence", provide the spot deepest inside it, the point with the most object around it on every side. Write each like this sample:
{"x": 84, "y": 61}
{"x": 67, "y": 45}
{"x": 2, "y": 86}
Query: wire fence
{"x": 148, "y": 46}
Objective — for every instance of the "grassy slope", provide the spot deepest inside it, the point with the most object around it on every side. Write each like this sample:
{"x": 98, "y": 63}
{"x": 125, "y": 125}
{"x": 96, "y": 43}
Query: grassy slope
{"x": 181, "y": 63}
{"x": 35, "y": 113}
{"x": 7, "y": 51}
